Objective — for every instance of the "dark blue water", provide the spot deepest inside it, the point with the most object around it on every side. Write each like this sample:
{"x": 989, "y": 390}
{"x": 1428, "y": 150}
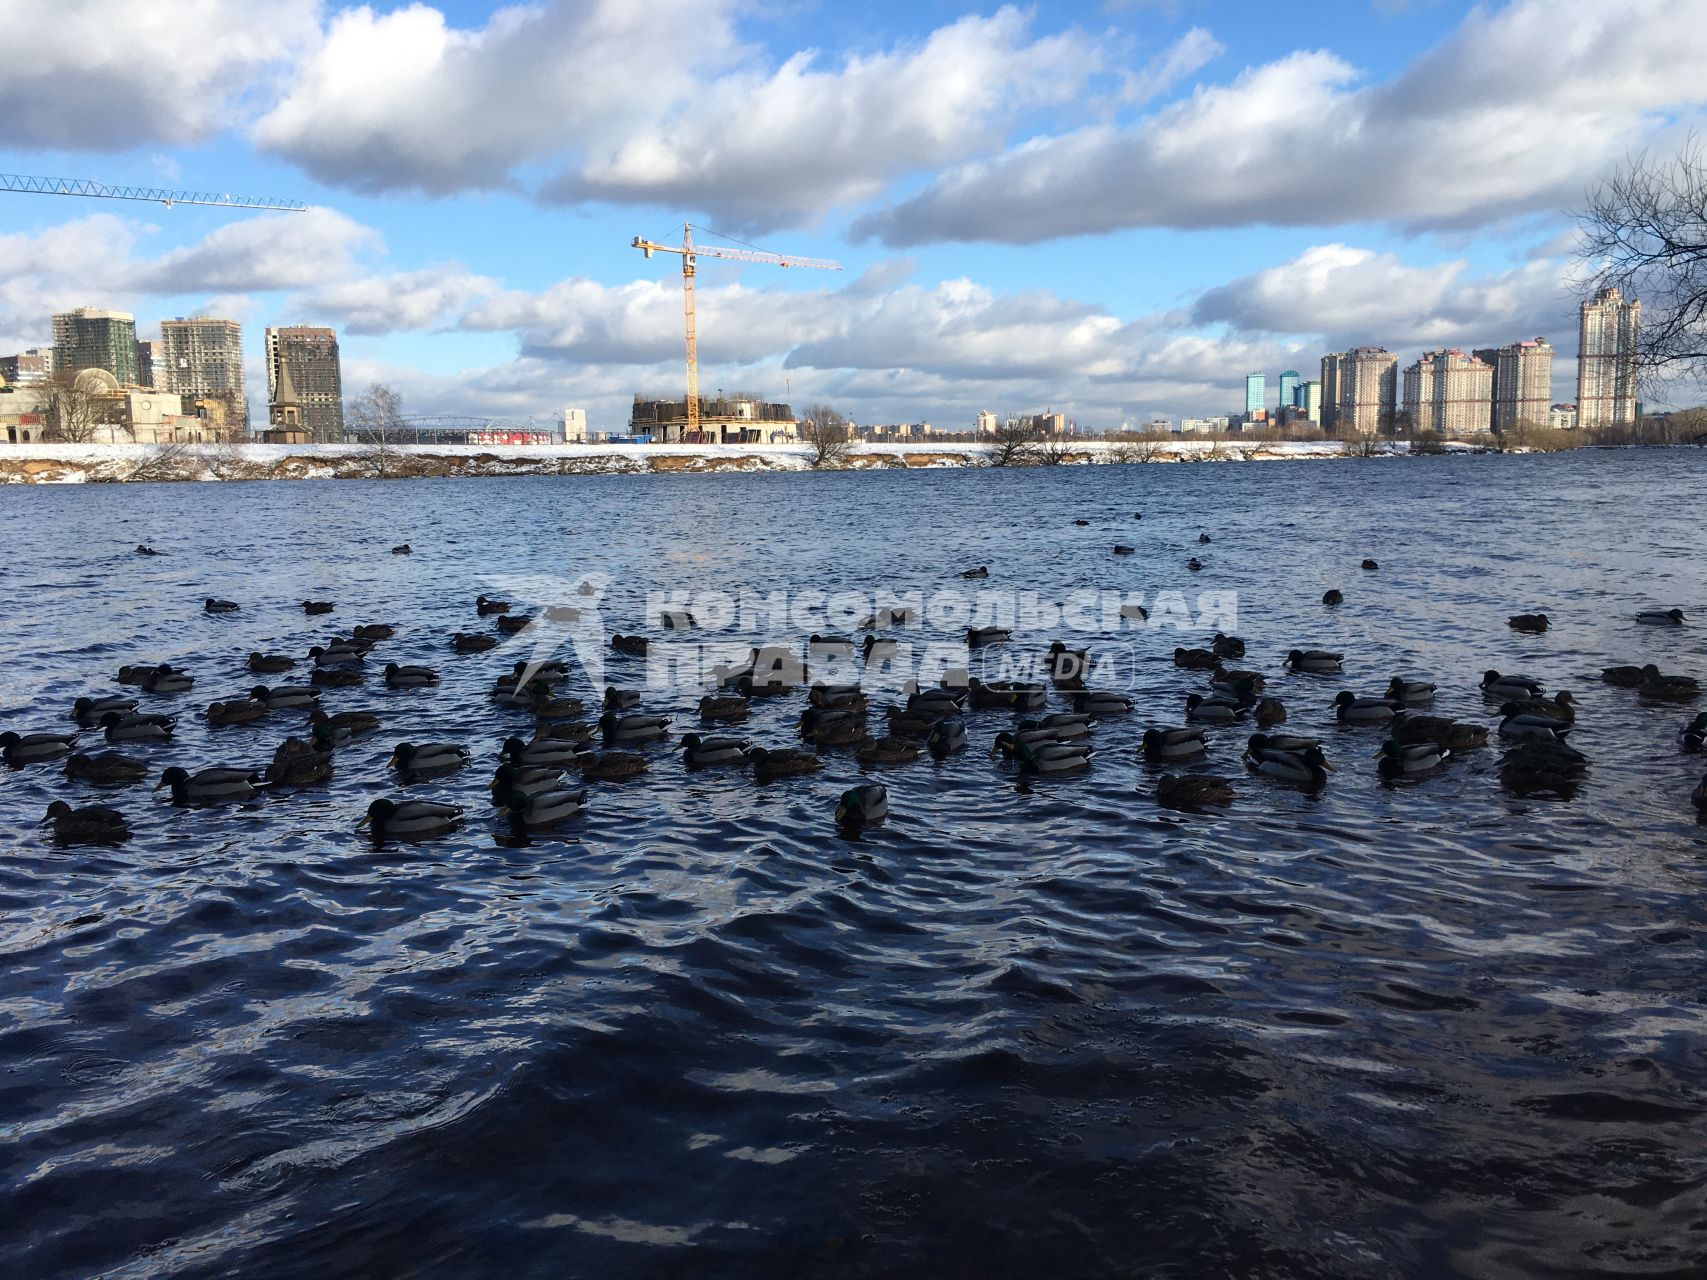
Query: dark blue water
{"x": 1021, "y": 1028}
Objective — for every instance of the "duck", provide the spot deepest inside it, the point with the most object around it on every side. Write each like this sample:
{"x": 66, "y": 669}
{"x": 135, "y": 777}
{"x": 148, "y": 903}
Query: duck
{"x": 982, "y": 571}
{"x": 269, "y": 663}
{"x": 32, "y": 748}
{"x": 1204, "y": 539}
{"x": 1212, "y": 710}
{"x": 875, "y": 650}
{"x": 1333, "y": 596}
{"x": 935, "y": 702}
{"x": 1229, "y": 648}
{"x": 1409, "y": 693}
{"x": 819, "y": 646}
{"x": 370, "y": 632}
{"x": 1628, "y": 676}
{"x": 560, "y": 613}
{"x": 1680, "y": 688}
{"x": 998, "y": 693}
{"x": 136, "y": 673}
{"x": 1194, "y": 564}
{"x": 1270, "y": 711}
{"x": 1351, "y": 709}
{"x": 209, "y": 786}
{"x": 1009, "y": 741}
{"x": 1067, "y": 667}
{"x": 837, "y": 697}
{"x": 546, "y": 705}
{"x": 916, "y": 724}
{"x": 1405, "y": 758}
{"x": 88, "y": 711}
{"x": 1561, "y": 707}
{"x": 297, "y": 764}
{"x": 1101, "y": 702}
{"x": 677, "y": 620}
{"x": 1173, "y": 743}
{"x": 1693, "y": 736}
{"x": 285, "y": 697}
{"x": 1193, "y": 791}
{"x": 635, "y": 646}
{"x": 109, "y": 769}
{"x": 576, "y": 731}
{"x": 91, "y": 824}
{"x": 1289, "y": 743}
{"x": 344, "y": 725}
{"x": 552, "y": 751}
{"x": 1308, "y": 768}
{"x": 237, "y": 711}
{"x": 466, "y": 642}
{"x": 506, "y": 694}
{"x": 402, "y": 677}
{"x": 485, "y": 607}
{"x": 1234, "y": 689}
{"x": 1661, "y": 617}
{"x": 550, "y": 671}
{"x": 337, "y": 655}
{"x": 832, "y": 728}
{"x": 409, "y": 819}
{"x": 1528, "y": 623}
{"x": 946, "y": 737}
{"x": 524, "y": 779}
{"x": 1134, "y": 612}
{"x": 167, "y": 679}
{"x": 1081, "y": 522}
{"x": 543, "y": 809}
{"x": 1542, "y": 763}
{"x": 699, "y": 752}
{"x": 137, "y": 728}
{"x": 611, "y": 766}
{"x": 335, "y": 677}
{"x": 516, "y": 623}
{"x": 1232, "y": 677}
{"x": 887, "y": 751}
{"x": 1196, "y": 659}
{"x": 314, "y": 608}
{"x": 724, "y": 707}
{"x": 629, "y": 730}
{"x": 428, "y": 757}
{"x": 621, "y": 699}
{"x": 1314, "y": 660}
{"x": 1506, "y": 687}
{"x": 1122, "y": 549}
{"x": 782, "y": 763}
{"x": 143, "y": 549}
{"x": 1443, "y": 731}
{"x": 772, "y": 687}
{"x": 863, "y": 804}
{"x": 1054, "y": 757}
{"x": 212, "y": 605}
{"x": 1026, "y": 697}
{"x": 1067, "y": 725}
{"x": 1371, "y": 564}
{"x": 1520, "y": 724}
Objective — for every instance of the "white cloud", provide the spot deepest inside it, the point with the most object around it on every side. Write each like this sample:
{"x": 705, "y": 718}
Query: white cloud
{"x": 1515, "y": 111}
{"x": 1189, "y": 54}
{"x": 107, "y": 75}
{"x": 273, "y": 251}
{"x": 409, "y": 300}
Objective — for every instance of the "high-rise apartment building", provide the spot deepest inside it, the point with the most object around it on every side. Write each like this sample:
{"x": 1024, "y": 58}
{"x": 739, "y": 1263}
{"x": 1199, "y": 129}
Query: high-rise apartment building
{"x": 27, "y": 367}
{"x": 1254, "y": 395}
{"x": 148, "y": 361}
{"x": 1309, "y": 400}
{"x": 203, "y": 358}
{"x": 311, "y": 355}
{"x": 91, "y": 339}
{"x": 1367, "y": 383}
{"x": 1450, "y": 393}
{"x": 1523, "y": 383}
{"x": 1288, "y": 388}
{"x": 1333, "y": 365}
{"x": 1606, "y": 360}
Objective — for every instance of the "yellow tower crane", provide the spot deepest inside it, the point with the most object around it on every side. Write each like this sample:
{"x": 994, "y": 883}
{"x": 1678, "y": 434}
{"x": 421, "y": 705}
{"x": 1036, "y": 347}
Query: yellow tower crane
{"x": 690, "y": 252}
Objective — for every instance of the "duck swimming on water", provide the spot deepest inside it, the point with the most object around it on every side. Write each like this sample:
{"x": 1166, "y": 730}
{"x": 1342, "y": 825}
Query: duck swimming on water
{"x": 1173, "y": 743}
{"x": 109, "y": 769}
{"x": 1408, "y": 758}
{"x": 1504, "y": 687}
{"x": 1693, "y": 736}
{"x": 1661, "y": 617}
{"x": 32, "y": 748}
{"x": 863, "y": 804}
{"x": 409, "y": 819}
{"x": 92, "y": 824}
{"x": 1190, "y": 791}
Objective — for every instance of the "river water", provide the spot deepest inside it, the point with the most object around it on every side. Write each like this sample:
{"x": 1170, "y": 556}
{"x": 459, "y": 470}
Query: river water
{"x": 1023, "y": 1027}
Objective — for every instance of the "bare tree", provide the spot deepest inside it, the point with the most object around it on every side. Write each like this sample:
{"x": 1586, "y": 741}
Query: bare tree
{"x": 1013, "y": 444}
{"x": 70, "y": 410}
{"x": 829, "y": 436}
{"x": 376, "y": 422}
{"x": 1645, "y": 233}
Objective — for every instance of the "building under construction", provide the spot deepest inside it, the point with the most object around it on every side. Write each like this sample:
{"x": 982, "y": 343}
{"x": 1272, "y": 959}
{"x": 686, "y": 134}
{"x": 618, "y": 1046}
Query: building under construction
{"x": 737, "y": 419}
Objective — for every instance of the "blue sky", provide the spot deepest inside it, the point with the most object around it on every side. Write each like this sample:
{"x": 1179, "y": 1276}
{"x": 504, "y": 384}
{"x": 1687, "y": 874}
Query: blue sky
{"x": 1111, "y": 209}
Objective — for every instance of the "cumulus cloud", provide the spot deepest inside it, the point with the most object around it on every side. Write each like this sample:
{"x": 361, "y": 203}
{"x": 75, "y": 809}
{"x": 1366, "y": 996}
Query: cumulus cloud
{"x": 1513, "y": 112}
{"x": 425, "y": 299}
{"x": 274, "y": 251}
{"x": 108, "y": 75}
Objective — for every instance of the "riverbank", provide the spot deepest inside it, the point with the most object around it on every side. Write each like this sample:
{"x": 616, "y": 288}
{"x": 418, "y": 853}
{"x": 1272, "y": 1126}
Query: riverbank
{"x": 110, "y": 464}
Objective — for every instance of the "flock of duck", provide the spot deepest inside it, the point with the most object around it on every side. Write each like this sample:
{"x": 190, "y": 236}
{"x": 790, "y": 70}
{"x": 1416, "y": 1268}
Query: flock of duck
{"x": 529, "y": 784}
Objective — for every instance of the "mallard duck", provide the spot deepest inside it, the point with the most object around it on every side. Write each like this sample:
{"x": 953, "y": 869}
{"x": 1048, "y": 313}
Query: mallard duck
{"x": 863, "y": 804}
{"x": 1053, "y": 757}
{"x": 611, "y": 766}
{"x": 137, "y": 727}
{"x": 547, "y": 671}
{"x": 546, "y": 705}
{"x": 269, "y": 663}
{"x": 832, "y": 728}
{"x": 887, "y": 751}
{"x": 1528, "y": 623}
{"x": 560, "y": 613}
{"x": 1101, "y": 703}
{"x": 1194, "y": 564}
{"x": 837, "y": 697}
{"x": 1270, "y": 711}
{"x": 1173, "y": 743}
{"x": 945, "y": 737}
{"x": 344, "y": 725}
{"x": 143, "y": 549}
{"x": 1067, "y": 725}
{"x": 1661, "y": 617}
{"x": 1628, "y": 676}
{"x": 1196, "y": 659}
{"x": 297, "y": 764}
{"x": 1308, "y": 768}
{"x": 335, "y": 677}
{"x": 933, "y": 702}
{"x": 340, "y": 653}
{"x": 506, "y": 694}
{"x": 998, "y": 693}
{"x": 723, "y": 708}
{"x": 109, "y": 769}
{"x": 463, "y": 642}
{"x": 1522, "y": 725}
{"x": 677, "y": 620}
{"x": 1409, "y": 693}
{"x": 409, "y": 819}
{"x": 485, "y": 607}
{"x": 1212, "y": 710}
{"x": 1134, "y": 612}
{"x": 218, "y": 606}
{"x": 1027, "y": 697}
{"x": 402, "y": 549}
{"x": 1081, "y": 522}
{"x": 1371, "y": 564}
{"x": 209, "y": 786}
{"x": 92, "y": 824}
{"x": 1692, "y": 737}
{"x": 577, "y": 731}
{"x": 370, "y": 632}
{"x": 429, "y": 757}
{"x": 1203, "y": 539}
{"x": 1506, "y": 687}
{"x": 1230, "y": 688}
{"x": 285, "y": 697}
{"x": 1123, "y": 549}
{"x": 401, "y": 677}
{"x": 771, "y": 687}
{"x": 1315, "y": 660}
{"x": 1679, "y": 688}
{"x": 630, "y": 730}
{"x": 542, "y": 809}
{"x": 1351, "y": 709}
{"x": 826, "y": 647}
{"x": 1227, "y": 647}
{"x": 1560, "y": 708}
{"x": 1333, "y": 596}
{"x": 1280, "y": 742}
{"x": 698, "y": 752}
{"x": 1067, "y": 667}
{"x": 1542, "y": 763}
{"x": 237, "y": 712}
{"x": 635, "y": 646}
{"x": 982, "y": 571}
{"x": 1404, "y": 758}
{"x": 515, "y": 624}
{"x": 1443, "y": 731}
{"x": 621, "y": 699}
{"x": 1193, "y": 791}
{"x": 1008, "y": 742}
{"x": 526, "y": 779}
{"x": 877, "y": 651}
{"x": 88, "y": 711}
{"x": 1254, "y": 681}
{"x": 915, "y": 724}
{"x": 313, "y": 608}
{"x": 782, "y": 763}
{"x": 553, "y": 751}
{"x": 166, "y": 678}
{"x": 135, "y": 673}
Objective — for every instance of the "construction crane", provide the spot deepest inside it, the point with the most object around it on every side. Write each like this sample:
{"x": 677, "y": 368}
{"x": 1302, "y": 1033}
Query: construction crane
{"x": 690, "y": 252}
{"x": 25, "y": 184}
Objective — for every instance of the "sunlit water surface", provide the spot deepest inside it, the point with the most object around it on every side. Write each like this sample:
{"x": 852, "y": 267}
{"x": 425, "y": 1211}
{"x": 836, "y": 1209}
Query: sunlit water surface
{"x": 1036, "y": 1028}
